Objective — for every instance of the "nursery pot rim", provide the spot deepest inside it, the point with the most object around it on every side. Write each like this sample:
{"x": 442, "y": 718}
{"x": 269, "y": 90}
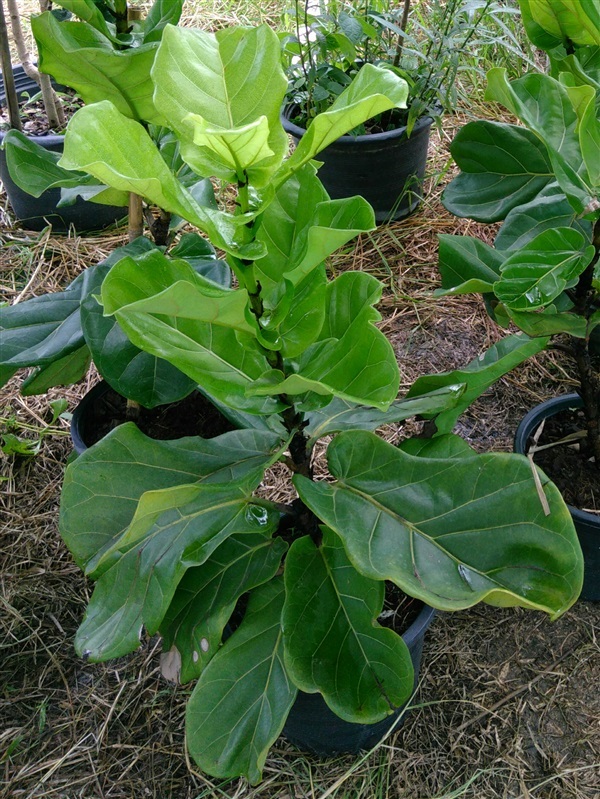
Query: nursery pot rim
{"x": 544, "y": 410}
{"x": 295, "y": 130}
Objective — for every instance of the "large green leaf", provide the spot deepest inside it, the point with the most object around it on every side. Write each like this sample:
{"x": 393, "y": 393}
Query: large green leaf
{"x": 452, "y": 532}
{"x": 553, "y": 22}
{"x": 172, "y": 530}
{"x": 120, "y": 153}
{"x": 332, "y": 641}
{"x": 584, "y": 100}
{"x": 355, "y": 361}
{"x": 549, "y": 322}
{"x": 226, "y": 107}
{"x": 103, "y": 486}
{"x": 64, "y": 371}
{"x": 481, "y": 373}
{"x": 243, "y": 697}
{"x": 35, "y": 169}
{"x": 543, "y": 104}
{"x": 373, "y": 91}
{"x": 207, "y": 595}
{"x": 80, "y": 56}
{"x": 340, "y": 415}
{"x": 502, "y": 166}
{"x": 153, "y": 284}
{"x": 199, "y": 327}
{"x": 467, "y": 265}
{"x": 536, "y": 274}
{"x": 41, "y": 330}
{"x": 550, "y": 209}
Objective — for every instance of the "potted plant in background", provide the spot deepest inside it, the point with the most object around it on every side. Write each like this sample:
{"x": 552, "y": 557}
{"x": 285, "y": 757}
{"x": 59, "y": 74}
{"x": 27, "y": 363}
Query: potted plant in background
{"x": 542, "y": 180}
{"x": 41, "y": 140}
{"x": 60, "y": 333}
{"x": 174, "y": 533}
{"x": 384, "y": 159}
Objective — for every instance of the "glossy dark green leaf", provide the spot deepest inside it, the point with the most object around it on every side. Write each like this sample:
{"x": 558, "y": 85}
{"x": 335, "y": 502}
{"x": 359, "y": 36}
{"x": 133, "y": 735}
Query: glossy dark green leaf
{"x": 61, "y": 372}
{"x": 467, "y": 265}
{"x": 243, "y": 697}
{"x": 198, "y": 252}
{"x": 550, "y": 209}
{"x": 502, "y": 166}
{"x": 207, "y": 595}
{"x": 452, "y": 532}
{"x": 43, "y": 329}
{"x": 332, "y": 641}
{"x": 172, "y": 530}
{"x": 539, "y": 101}
{"x": 103, "y": 486}
{"x": 446, "y": 446}
{"x": 35, "y": 169}
{"x": 540, "y": 271}
{"x": 549, "y": 322}
{"x": 478, "y": 375}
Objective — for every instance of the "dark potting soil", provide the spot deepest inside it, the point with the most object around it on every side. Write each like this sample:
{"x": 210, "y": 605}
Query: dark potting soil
{"x": 192, "y": 416}
{"x": 33, "y": 115}
{"x": 569, "y": 465}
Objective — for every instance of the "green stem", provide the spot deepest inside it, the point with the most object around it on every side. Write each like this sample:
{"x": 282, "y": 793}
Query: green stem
{"x": 121, "y": 17}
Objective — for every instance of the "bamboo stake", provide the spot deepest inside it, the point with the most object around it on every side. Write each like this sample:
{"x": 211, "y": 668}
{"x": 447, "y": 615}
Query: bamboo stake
{"x": 12, "y": 102}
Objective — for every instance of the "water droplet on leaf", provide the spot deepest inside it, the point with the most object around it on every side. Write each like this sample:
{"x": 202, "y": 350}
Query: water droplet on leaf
{"x": 256, "y": 514}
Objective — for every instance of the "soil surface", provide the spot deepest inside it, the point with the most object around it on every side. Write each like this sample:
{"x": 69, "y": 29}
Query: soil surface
{"x": 570, "y": 465}
{"x": 192, "y": 416}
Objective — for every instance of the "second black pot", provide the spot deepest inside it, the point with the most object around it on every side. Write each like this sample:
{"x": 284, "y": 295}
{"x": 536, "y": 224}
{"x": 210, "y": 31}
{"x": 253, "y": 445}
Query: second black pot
{"x": 36, "y": 212}
{"x": 312, "y": 726}
{"x": 587, "y": 525}
{"x": 387, "y": 169}
{"x": 95, "y": 408}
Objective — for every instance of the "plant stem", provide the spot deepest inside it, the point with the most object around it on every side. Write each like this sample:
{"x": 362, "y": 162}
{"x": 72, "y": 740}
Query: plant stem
{"x": 136, "y": 217}
{"x": 403, "y": 24}
{"x": 121, "y": 17}
{"x": 52, "y": 105}
{"x": 7, "y": 74}
{"x": 589, "y": 384}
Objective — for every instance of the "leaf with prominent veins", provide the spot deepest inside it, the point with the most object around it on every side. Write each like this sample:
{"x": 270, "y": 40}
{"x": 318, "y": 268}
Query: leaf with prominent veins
{"x": 444, "y": 530}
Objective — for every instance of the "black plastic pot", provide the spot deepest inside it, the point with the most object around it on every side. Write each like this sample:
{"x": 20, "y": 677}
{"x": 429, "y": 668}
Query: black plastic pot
{"x": 36, "y": 212}
{"x": 312, "y": 726}
{"x": 387, "y": 169}
{"x": 84, "y": 421}
{"x": 587, "y": 525}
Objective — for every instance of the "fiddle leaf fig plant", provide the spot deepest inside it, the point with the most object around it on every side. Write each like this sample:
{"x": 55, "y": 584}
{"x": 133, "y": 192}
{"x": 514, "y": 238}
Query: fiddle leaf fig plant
{"x": 542, "y": 180}
{"x": 253, "y": 599}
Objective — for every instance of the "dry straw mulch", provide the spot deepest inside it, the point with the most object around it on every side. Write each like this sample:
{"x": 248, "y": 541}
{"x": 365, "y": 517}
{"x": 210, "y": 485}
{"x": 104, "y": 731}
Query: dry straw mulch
{"x": 508, "y": 706}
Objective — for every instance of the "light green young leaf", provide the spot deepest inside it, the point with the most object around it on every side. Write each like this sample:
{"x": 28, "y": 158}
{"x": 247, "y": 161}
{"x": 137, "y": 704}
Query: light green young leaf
{"x": 119, "y": 152}
{"x": 332, "y": 642}
{"x": 231, "y": 153}
{"x": 235, "y": 712}
{"x": 450, "y": 532}
{"x": 357, "y": 363}
{"x": 82, "y": 57}
{"x": 232, "y": 79}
